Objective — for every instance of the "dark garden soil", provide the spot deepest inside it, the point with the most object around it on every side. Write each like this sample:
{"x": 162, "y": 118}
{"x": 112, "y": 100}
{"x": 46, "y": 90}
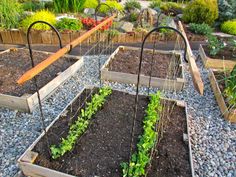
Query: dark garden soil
{"x": 171, "y": 158}
{"x": 105, "y": 144}
{"x": 15, "y": 63}
{"x": 127, "y": 61}
{"x": 225, "y": 54}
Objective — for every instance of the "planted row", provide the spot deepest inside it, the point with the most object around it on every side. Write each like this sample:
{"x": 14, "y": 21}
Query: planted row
{"x": 147, "y": 141}
{"x": 82, "y": 123}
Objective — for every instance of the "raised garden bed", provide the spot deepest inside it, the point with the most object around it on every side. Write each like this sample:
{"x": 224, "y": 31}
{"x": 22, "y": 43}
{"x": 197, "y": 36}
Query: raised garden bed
{"x": 218, "y": 88}
{"x": 223, "y": 60}
{"x": 167, "y": 71}
{"x": 13, "y": 64}
{"x": 105, "y": 143}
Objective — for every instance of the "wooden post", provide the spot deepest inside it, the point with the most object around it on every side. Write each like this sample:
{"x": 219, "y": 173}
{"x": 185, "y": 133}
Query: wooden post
{"x": 196, "y": 76}
{"x": 54, "y": 57}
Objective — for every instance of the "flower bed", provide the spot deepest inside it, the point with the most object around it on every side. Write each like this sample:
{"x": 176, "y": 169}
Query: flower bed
{"x": 24, "y": 97}
{"x": 105, "y": 144}
{"x": 122, "y": 67}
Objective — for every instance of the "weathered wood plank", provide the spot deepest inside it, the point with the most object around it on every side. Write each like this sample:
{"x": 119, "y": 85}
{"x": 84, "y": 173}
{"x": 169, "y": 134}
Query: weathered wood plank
{"x": 228, "y": 115}
{"x": 196, "y": 76}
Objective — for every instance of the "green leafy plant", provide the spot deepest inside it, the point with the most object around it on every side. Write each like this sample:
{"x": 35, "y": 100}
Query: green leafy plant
{"x": 132, "y": 4}
{"x": 81, "y": 124}
{"x": 215, "y": 45}
{"x": 229, "y": 27}
{"x": 42, "y": 15}
{"x": 62, "y": 6}
{"x": 227, "y": 10}
{"x": 33, "y": 5}
{"x": 202, "y": 29}
{"x": 69, "y": 24}
{"x": 10, "y": 12}
{"x": 90, "y": 4}
{"x": 140, "y": 159}
{"x": 201, "y": 11}
{"x": 133, "y": 17}
{"x": 113, "y": 4}
{"x": 230, "y": 90}
{"x": 155, "y": 4}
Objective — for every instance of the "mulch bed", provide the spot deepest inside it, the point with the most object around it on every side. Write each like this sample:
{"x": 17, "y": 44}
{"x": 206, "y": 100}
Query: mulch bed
{"x": 15, "y": 63}
{"x": 105, "y": 144}
{"x": 225, "y": 54}
{"x": 127, "y": 61}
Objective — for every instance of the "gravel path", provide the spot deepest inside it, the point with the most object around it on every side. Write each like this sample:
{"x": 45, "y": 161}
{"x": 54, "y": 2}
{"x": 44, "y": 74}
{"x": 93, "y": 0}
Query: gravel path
{"x": 213, "y": 139}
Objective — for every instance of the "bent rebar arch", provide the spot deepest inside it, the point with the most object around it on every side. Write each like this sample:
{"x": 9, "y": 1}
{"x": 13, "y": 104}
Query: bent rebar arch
{"x": 35, "y": 77}
{"x": 157, "y": 29}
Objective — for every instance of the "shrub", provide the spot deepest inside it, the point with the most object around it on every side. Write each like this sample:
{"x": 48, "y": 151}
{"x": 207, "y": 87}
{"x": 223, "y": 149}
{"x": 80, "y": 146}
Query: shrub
{"x": 133, "y": 17}
{"x": 10, "y": 12}
{"x": 202, "y": 29}
{"x": 132, "y": 4}
{"x": 166, "y": 6}
{"x": 229, "y": 27}
{"x": 62, "y": 6}
{"x": 227, "y": 10}
{"x": 201, "y": 11}
{"x": 90, "y": 4}
{"x": 43, "y": 15}
{"x": 32, "y": 6}
{"x": 69, "y": 24}
{"x": 113, "y": 5}
{"x": 214, "y": 44}
{"x": 155, "y": 4}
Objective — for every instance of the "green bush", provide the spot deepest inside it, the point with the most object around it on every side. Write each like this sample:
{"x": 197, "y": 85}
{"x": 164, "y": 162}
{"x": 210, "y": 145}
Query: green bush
{"x": 32, "y": 6}
{"x": 132, "y": 4}
{"x": 133, "y": 17}
{"x": 229, "y": 27}
{"x": 113, "y": 5}
{"x": 201, "y": 11}
{"x": 166, "y": 6}
{"x": 202, "y": 29}
{"x": 62, "y": 6}
{"x": 90, "y": 4}
{"x": 43, "y": 15}
{"x": 227, "y": 10}
{"x": 155, "y": 4}
{"x": 10, "y": 12}
{"x": 69, "y": 24}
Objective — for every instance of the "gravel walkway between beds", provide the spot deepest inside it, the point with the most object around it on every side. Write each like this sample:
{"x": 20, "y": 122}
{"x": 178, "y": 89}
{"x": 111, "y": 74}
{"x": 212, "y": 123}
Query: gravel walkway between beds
{"x": 213, "y": 139}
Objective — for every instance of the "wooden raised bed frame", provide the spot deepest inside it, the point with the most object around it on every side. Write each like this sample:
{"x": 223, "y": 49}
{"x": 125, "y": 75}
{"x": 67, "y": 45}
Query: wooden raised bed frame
{"x": 228, "y": 115}
{"x": 215, "y": 63}
{"x": 26, "y": 161}
{"x": 127, "y": 78}
{"x": 27, "y": 103}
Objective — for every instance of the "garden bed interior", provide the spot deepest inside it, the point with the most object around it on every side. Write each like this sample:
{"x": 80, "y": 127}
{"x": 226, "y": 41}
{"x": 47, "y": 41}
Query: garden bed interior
{"x": 15, "y": 62}
{"x": 105, "y": 144}
{"x": 167, "y": 71}
{"x": 218, "y": 85}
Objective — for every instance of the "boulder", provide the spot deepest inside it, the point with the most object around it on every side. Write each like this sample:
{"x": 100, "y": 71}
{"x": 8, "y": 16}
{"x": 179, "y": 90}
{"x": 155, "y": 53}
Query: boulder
{"x": 89, "y": 11}
{"x": 126, "y": 27}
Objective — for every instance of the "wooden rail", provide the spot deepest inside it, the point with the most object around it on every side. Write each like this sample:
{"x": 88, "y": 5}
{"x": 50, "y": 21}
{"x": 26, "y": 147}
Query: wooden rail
{"x": 54, "y": 57}
{"x": 196, "y": 76}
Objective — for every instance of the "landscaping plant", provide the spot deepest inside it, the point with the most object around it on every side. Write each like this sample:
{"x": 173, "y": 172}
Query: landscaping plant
{"x": 113, "y": 4}
{"x": 229, "y": 27}
{"x": 201, "y": 11}
{"x": 227, "y": 10}
{"x": 230, "y": 90}
{"x": 10, "y": 12}
{"x": 69, "y": 24}
{"x": 62, "y": 6}
{"x": 215, "y": 45}
{"x": 140, "y": 159}
{"x": 131, "y": 5}
{"x": 43, "y": 15}
{"x": 81, "y": 124}
{"x": 202, "y": 29}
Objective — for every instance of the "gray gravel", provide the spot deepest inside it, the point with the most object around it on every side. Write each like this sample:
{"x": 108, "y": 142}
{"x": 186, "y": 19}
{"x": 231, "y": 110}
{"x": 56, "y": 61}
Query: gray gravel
{"x": 213, "y": 139}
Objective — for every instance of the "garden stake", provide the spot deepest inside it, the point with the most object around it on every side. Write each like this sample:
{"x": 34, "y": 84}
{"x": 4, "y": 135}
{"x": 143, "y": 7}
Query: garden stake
{"x": 35, "y": 78}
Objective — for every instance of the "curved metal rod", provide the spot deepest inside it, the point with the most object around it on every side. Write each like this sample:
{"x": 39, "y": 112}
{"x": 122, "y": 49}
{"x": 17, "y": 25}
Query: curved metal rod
{"x": 99, "y": 6}
{"x": 35, "y": 79}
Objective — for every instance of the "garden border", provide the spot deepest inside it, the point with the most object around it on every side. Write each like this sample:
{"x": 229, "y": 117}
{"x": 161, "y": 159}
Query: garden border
{"x": 27, "y": 159}
{"x": 215, "y": 63}
{"x": 127, "y": 78}
{"x": 27, "y": 103}
{"x": 229, "y": 116}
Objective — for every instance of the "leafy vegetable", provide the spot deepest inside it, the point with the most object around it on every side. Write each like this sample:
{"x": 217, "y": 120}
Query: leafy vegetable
{"x": 80, "y": 126}
{"x": 69, "y": 24}
{"x": 140, "y": 159}
{"x": 202, "y": 29}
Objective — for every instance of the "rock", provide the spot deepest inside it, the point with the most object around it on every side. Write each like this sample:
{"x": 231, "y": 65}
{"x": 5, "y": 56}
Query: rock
{"x": 135, "y": 11}
{"x": 127, "y": 27}
{"x": 89, "y": 11}
{"x": 153, "y": 12}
